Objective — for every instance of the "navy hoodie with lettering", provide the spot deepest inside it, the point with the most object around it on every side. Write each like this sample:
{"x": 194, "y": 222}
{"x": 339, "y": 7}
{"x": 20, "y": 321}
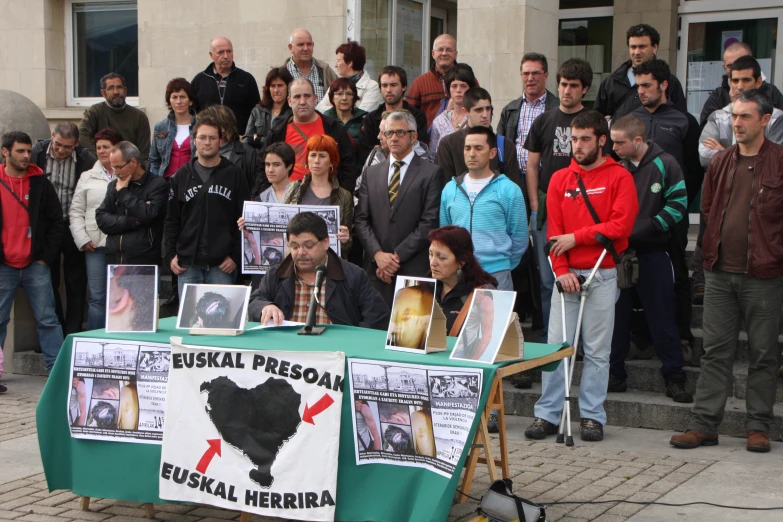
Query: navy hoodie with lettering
{"x": 209, "y": 220}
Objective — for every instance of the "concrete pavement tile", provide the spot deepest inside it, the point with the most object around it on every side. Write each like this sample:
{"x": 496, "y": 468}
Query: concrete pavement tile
{"x": 460, "y": 510}
{"x": 181, "y": 509}
{"x": 622, "y": 491}
{"x": 693, "y": 468}
{"x": 643, "y": 480}
{"x": 606, "y": 517}
{"x": 175, "y": 517}
{"x": 610, "y": 482}
{"x": 626, "y": 472}
{"x": 16, "y": 484}
{"x": 123, "y": 518}
{"x": 590, "y": 511}
{"x": 539, "y": 487}
{"x": 90, "y": 516}
{"x": 561, "y": 475}
{"x": 42, "y": 518}
{"x": 40, "y": 510}
{"x": 212, "y": 512}
{"x": 16, "y": 493}
{"x": 124, "y": 511}
{"x": 585, "y": 494}
{"x": 17, "y": 502}
{"x": 660, "y": 487}
{"x": 9, "y": 515}
{"x": 593, "y": 474}
{"x": 56, "y": 499}
{"x": 628, "y": 510}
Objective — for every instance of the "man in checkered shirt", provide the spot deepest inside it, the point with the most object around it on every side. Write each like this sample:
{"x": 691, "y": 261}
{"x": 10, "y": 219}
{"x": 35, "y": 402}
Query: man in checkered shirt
{"x": 347, "y": 296}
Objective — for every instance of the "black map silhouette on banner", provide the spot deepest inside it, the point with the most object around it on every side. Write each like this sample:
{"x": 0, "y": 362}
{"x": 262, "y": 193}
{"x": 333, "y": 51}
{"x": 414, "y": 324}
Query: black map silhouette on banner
{"x": 256, "y": 421}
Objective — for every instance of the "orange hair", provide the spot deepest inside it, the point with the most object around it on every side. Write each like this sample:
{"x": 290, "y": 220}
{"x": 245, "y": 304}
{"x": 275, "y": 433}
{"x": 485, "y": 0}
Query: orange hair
{"x": 324, "y": 143}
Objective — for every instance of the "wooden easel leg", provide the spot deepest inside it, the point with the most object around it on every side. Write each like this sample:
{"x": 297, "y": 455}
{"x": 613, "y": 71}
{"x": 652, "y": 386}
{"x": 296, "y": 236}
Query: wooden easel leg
{"x": 491, "y": 469}
{"x": 244, "y": 516}
{"x": 149, "y": 510}
{"x": 84, "y": 504}
{"x": 470, "y": 466}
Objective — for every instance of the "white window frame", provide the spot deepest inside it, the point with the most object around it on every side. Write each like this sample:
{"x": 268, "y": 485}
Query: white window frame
{"x": 353, "y": 30}
{"x": 587, "y": 12}
{"x": 70, "y": 77}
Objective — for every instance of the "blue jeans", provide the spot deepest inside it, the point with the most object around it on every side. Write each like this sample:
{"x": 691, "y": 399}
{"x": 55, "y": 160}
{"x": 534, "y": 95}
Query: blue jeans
{"x": 37, "y": 283}
{"x": 544, "y": 270}
{"x": 596, "y": 339}
{"x": 96, "y": 281}
{"x": 200, "y": 275}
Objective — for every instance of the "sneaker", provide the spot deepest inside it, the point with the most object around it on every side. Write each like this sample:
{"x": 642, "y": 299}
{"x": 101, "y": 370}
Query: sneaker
{"x": 758, "y": 441}
{"x": 540, "y": 429}
{"x": 591, "y": 431}
{"x": 675, "y": 388}
{"x": 522, "y": 381}
{"x": 693, "y": 439}
{"x": 492, "y": 423}
{"x": 616, "y": 384}
{"x": 3, "y": 388}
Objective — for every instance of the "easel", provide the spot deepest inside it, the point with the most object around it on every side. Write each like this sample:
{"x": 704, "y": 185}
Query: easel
{"x": 495, "y": 402}
{"x": 149, "y": 509}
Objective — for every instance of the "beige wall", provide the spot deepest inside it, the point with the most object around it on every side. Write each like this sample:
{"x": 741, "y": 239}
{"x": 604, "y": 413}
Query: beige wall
{"x": 174, "y": 37}
{"x": 661, "y": 14}
{"x": 32, "y": 50}
{"x": 493, "y": 36}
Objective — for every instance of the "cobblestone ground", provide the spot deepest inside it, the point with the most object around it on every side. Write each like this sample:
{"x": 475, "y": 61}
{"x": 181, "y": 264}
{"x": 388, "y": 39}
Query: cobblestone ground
{"x": 542, "y": 472}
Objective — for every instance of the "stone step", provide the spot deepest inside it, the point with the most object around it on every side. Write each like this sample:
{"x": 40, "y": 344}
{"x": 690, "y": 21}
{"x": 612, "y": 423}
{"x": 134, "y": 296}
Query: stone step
{"x": 642, "y": 410}
{"x": 646, "y": 376}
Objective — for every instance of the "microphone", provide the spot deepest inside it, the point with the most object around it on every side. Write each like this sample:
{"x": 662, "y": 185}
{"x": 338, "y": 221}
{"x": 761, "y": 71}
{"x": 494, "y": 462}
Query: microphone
{"x": 309, "y": 328}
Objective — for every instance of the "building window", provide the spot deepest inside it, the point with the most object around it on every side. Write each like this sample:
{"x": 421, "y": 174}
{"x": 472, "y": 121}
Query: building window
{"x": 103, "y": 37}
{"x": 591, "y": 40}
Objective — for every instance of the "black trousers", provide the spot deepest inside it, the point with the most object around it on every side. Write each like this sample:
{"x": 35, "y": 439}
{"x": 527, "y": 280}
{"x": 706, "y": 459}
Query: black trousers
{"x": 75, "y": 272}
{"x": 683, "y": 300}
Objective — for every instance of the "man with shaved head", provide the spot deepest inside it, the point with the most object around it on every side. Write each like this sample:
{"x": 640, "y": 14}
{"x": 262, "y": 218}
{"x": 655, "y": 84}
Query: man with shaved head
{"x": 719, "y": 98}
{"x": 223, "y": 83}
{"x": 429, "y": 90}
{"x": 302, "y": 64}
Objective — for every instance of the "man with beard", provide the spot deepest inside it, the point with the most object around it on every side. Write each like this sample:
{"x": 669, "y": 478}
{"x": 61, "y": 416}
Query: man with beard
{"x": 612, "y": 194}
{"x": 393, "y": 81}
{"x": 130, "y": 122}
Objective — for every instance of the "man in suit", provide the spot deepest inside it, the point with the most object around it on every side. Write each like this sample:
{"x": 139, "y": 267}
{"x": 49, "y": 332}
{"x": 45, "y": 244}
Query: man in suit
{"x": 399, "y": 202}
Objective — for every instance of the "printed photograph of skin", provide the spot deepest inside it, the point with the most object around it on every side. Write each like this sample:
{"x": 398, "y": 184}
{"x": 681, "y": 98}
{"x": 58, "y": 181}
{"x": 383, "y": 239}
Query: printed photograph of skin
{"x": 132, "y": 298}
{"x": 411, "y": 314}
{"x": 262, "y": 248}
{"x": 129, "y": 406}
{"x": 368, "y": 427}
{"x": 81, "y": 391}
{"x": 421, "y": 426}
{"x": 220, "y": 307}
{"x": 485, "y": 326}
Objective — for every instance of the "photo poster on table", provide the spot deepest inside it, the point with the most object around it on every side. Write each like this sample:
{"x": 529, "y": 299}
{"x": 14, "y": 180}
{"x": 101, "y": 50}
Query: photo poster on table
{"x": 118, "y": 390}
{"x": 491, "y": 331}
{"x": 261, "y": 428}
{"x": 417, "y": 322}
{"x": 263, "y": 239}
{"x": 412, "y": 415}
{"x": 131, "y": 298}
{"x": 214, "y": 309}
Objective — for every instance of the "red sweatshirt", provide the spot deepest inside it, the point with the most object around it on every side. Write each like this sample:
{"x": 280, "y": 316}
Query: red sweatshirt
{"x": 17, "y": 239}
{"x": 612, "y": 193}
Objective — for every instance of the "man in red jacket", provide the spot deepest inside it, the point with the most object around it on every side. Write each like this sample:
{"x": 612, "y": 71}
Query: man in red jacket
{"x": 31, "y": 219}
{"x": 612, "y": 193}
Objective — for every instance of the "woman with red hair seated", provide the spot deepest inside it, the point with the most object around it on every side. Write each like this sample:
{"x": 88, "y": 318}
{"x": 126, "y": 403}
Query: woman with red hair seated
{"x": 321, "y": 187}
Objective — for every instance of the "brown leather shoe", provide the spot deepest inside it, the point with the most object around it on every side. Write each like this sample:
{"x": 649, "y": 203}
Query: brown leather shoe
{"x": 693, "y": 439}
{"x": 758, "y": 441}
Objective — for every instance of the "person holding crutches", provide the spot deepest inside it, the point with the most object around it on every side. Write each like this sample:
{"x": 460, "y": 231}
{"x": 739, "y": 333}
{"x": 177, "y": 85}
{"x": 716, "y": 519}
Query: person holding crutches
{"x": 574, "y": 252}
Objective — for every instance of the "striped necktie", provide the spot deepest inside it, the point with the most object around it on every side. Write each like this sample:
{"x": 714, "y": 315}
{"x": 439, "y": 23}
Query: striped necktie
{"x": 394, "y": 183}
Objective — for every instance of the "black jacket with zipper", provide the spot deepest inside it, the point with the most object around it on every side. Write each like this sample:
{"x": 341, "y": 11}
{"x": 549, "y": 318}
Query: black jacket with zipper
{"x": 214, "y": 213}
{"x": 132, "y": 218}
{"x": 240, "y": 95}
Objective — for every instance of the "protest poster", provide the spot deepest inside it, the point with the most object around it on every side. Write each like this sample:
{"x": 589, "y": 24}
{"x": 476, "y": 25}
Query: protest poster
{"x": 253, "y": 431}
{"x": 412, "y": 415}
{"x": 263, "y": 238}
{"x": 118, "y": 390}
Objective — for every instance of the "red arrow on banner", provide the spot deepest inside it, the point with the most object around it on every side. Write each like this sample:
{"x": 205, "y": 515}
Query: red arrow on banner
{"x": 323, "y": 403}
{"x": 214, "y": 448}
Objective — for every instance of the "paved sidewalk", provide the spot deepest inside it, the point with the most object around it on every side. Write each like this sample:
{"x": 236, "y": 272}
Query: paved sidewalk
{"x": 630, "y": 464}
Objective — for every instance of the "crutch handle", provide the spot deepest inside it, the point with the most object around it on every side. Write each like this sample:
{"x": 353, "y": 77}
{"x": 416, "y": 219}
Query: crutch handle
{"x": 548, "y": 247}
{"x": 559, "y": 286}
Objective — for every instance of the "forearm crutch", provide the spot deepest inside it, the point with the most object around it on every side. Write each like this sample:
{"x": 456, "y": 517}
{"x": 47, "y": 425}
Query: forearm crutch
{"x": 569, "y": 363}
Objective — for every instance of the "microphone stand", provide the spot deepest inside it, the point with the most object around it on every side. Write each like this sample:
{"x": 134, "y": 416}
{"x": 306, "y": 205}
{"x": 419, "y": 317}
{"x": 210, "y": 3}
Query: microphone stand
{"x": 309, "y": 328}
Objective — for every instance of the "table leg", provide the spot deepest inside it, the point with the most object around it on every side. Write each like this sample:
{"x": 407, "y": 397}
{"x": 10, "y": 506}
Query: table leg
{"x": 84, "y": 505}
{"x": 149, "y": 510}
{"x": 470, "y": 464}
{"x": 244, "y": 516}
{"x": 502, "y": 429}
{"x": 491, "y": 469}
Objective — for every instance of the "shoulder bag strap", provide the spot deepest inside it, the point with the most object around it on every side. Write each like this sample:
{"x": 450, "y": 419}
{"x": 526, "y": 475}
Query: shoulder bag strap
{"x": 457, "y": 326}
{"x": 299, "y": 131}
{"x": 16, "y": 197}
{"x": 609, "y": 245}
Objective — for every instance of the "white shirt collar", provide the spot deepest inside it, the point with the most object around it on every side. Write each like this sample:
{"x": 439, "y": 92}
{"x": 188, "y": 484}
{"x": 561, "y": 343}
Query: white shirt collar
{"x": 407, "y": 159}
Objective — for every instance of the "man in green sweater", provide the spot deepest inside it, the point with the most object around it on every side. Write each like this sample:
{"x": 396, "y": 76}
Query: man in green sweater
{"x": 130, "y": 122}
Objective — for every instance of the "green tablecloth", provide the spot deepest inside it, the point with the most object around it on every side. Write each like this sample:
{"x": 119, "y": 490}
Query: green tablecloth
{"x": 127, "y": 471}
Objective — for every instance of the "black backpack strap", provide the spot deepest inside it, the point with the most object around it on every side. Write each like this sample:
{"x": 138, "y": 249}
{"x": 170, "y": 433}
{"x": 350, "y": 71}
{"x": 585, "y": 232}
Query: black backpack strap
{"x": 603, "y": 240}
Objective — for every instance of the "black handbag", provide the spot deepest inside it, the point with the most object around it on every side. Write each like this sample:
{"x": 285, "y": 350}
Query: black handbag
{"x": 627, "y": 262}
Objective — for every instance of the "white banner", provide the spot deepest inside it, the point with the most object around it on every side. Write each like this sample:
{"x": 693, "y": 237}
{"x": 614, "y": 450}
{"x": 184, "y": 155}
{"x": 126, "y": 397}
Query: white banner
{"x": 412, "y": 415}
{"x": 254, "y": 431}
{"x": 118, "y": 390}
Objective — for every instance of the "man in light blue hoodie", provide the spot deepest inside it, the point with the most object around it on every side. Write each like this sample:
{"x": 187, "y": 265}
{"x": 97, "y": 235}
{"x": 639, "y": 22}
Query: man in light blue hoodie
{"x": 490, "y": 206}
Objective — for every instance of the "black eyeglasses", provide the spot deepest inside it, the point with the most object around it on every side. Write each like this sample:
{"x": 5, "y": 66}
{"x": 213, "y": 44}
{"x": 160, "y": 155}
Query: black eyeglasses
{"x": 115, "y": 169}
{"x": 399, "y": 132}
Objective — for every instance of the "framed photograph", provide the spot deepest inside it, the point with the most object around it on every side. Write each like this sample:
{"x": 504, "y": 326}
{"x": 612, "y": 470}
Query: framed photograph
{"x": 415, "y": 317}
{"x": 131, "y": 298}
{"x": 214, "y": 309}
{"x": 488, "y": 327}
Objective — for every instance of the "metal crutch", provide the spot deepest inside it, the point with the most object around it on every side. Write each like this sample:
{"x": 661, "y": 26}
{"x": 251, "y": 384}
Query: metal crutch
{"x": 570, "y": 362}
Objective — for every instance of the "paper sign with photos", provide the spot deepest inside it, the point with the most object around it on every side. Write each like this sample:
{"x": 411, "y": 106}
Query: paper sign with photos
{"x": 214, "y": 309}
{"x": 491, "y": 332}
{"x": 417, "y": 322}
{"x": 263, "y": 238}
{"x": 131, "y": 298}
